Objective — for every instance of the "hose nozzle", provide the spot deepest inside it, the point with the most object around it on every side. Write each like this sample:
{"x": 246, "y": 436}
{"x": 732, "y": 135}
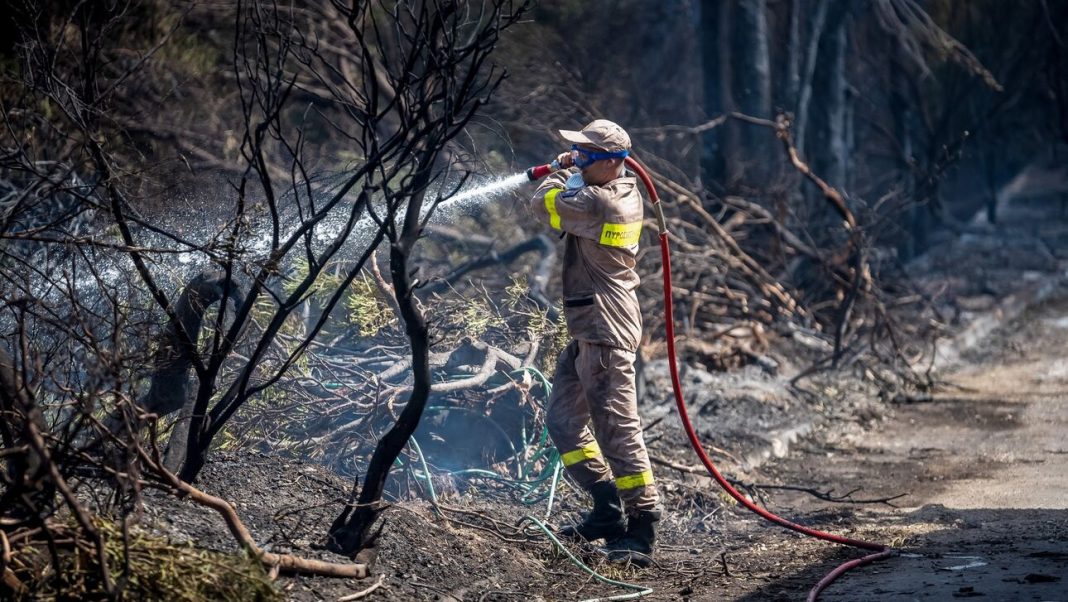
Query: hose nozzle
{"x": 540, "y": 171}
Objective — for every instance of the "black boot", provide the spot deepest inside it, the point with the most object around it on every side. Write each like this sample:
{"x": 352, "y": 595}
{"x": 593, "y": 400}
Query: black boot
{"x": 636, "y": 547}
{"x": 604, "y": 521}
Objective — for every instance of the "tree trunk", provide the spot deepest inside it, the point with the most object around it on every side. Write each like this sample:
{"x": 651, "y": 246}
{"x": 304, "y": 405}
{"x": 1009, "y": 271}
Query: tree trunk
{"x": 828, "y": 154}
{"x": 353, "y": 531}
{"x": 804, "y": 98}
{"x": 850, "y": 137}
{"x": 791, "y": 84}
{"x": 837, "y": 158}
{"x": 349, "y": 537}
{"x": 990, "y": 173}
{"x": 752, "y": 82}
{"x": 32, "y": 490}
{"x": 715, "y": 68}
{"x": 198, "y": 435}
{"x": 169, "y": 385}
{"x": 752, "y": 86}
{"x": 905, "y": 128}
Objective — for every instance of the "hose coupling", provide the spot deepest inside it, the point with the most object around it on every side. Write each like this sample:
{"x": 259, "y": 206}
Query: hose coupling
{"x": 540, "y": 171}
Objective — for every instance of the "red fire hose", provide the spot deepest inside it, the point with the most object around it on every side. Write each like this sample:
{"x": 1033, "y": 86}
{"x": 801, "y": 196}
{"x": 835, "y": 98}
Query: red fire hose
{"x": 881, "y": 551}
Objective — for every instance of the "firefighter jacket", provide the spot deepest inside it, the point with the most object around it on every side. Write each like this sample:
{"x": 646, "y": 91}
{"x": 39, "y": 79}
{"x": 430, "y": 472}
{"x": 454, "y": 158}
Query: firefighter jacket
{"x": 601, "y": 226}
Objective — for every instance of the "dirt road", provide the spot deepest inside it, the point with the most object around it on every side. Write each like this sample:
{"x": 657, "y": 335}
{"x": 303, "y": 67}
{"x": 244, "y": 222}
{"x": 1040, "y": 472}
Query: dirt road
{"x": 984, "y": 464}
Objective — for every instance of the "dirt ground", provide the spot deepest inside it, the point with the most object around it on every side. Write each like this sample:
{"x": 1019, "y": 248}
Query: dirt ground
{"x": 981, "y": 468}
{"x": 984, "y": 466}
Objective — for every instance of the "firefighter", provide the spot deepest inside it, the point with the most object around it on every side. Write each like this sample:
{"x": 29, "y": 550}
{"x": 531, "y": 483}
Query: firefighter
{"x": 598, "y": 210}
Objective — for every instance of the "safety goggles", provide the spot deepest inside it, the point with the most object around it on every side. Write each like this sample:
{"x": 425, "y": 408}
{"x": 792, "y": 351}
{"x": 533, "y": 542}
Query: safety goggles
{"x": 585, "y": 158}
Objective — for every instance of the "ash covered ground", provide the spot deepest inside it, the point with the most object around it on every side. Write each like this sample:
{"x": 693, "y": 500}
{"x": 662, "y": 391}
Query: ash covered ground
{"x": 976, "y": 473}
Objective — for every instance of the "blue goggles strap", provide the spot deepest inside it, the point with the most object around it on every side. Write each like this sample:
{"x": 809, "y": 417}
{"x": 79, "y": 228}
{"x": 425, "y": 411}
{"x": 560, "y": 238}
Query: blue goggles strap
{"x": 598, "y": 156}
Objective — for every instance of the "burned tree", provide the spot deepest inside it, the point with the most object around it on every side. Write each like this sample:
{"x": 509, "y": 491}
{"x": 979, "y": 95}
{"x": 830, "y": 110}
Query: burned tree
{"x": 345, "y": 116}
{"x": 443, "y": 47}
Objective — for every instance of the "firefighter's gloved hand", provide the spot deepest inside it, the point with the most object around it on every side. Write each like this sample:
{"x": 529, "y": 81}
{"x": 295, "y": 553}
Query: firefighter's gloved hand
{"x": 565, "y": 160}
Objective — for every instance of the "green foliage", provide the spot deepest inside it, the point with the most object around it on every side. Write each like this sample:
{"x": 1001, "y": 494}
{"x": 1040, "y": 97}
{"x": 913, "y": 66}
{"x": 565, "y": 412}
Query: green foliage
{"x": 189, "y": 55}
{"x": 553, "y": 337}
{"x": 560, "y": 338}
{"x": 255, "y": 421}
{"x": 188, "y": 51}
{"x": 159, "y": 570}
{"x": 516, "y": 292}
{"x": 298, "y": 272}
{"x": 478, "y": 317}
{"x": 367, "y": 311}
{"x": 326, "y": 282}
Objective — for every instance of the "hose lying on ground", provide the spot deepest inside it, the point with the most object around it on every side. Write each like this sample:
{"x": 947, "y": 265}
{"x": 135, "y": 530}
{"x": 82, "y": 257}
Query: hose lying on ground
{"x": 554, "y": 465}
{"x": 881, "y": 551}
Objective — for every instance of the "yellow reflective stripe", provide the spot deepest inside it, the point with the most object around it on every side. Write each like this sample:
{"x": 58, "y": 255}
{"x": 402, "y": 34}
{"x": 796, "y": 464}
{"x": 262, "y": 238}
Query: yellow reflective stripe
{"x": 621, "y": 235}
{"x": 635, "y": 480}
{"x": 550, "y": 206}
{"x": 583, "y": 453}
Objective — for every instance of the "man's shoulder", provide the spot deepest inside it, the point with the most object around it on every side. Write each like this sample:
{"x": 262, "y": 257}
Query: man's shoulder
{"x": 615, "y": 189}
{"x": 621, "y": 194}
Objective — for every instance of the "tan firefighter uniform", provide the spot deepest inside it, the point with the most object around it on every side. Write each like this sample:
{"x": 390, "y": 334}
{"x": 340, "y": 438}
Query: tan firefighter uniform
{"x": 594, "y": 377}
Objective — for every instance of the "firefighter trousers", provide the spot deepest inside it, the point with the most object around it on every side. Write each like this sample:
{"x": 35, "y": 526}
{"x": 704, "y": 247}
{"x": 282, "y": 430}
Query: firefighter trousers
{"x": 595, "y": 384}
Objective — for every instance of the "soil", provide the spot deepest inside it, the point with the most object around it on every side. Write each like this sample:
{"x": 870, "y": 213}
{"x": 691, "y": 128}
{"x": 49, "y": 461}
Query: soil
{"x": 978, "y": 473}
{"x": 983, "y": 465}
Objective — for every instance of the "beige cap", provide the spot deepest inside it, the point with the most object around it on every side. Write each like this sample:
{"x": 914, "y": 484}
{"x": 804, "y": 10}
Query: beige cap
{"x": 603, "y": 134}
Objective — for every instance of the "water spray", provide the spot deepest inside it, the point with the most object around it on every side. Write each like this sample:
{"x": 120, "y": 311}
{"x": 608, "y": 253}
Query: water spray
{"x": 485, "y": 191}
{"x": 880, "y": 551}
